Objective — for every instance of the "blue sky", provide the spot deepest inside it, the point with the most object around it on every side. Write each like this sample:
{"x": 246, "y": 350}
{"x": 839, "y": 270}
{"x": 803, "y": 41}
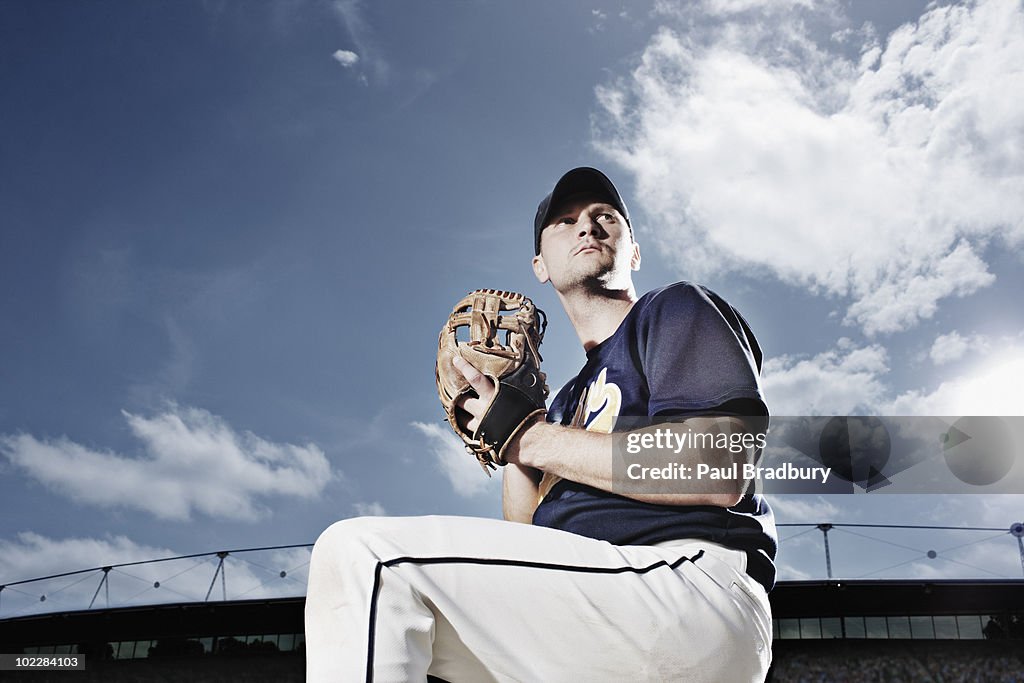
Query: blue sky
{"x": 230, "y": 232}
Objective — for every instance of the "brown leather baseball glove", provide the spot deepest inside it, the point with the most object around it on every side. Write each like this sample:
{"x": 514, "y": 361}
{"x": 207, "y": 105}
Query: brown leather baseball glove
{"x": 502, "y": 333}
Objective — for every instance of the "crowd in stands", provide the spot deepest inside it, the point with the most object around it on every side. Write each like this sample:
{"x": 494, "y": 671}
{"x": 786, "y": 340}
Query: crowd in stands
{"x": 898, "y": 662}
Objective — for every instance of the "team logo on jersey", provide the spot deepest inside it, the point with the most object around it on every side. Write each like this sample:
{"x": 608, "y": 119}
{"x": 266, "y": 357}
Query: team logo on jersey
{"x": 599, "y": 405}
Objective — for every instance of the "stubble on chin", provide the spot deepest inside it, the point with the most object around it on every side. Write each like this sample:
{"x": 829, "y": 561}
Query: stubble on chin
{"x": 592, "y": 275}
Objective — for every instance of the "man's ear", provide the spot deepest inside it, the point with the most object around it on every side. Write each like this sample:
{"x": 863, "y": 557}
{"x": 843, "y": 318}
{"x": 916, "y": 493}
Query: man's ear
{"x": 539, "y": 269}
{"x": 634, "y": 260}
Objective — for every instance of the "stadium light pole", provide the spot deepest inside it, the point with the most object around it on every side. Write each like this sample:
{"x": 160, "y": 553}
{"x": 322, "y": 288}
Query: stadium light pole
{"x": 828, "y": 555}
{"x": 103, "y": 582}
{"x": 223, "y": 577}
{"x": 1017, "y": 531}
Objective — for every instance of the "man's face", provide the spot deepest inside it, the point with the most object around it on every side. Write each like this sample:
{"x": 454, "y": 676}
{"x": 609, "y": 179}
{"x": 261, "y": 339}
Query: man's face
{"x": 587, "y": 243}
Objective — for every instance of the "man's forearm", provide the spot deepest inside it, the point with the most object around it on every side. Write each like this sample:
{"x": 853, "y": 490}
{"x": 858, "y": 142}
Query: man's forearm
{"x": 520, "y": 493}
{"x": 587, "y": 458}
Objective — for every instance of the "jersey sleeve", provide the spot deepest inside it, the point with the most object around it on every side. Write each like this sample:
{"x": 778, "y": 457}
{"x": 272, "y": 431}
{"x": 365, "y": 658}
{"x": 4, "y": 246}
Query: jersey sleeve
{"x": 698, "y": 354}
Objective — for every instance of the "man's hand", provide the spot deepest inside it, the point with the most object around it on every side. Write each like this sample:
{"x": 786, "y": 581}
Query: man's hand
{"x": 474, "y": 408}
{"x": 519, "y": 488}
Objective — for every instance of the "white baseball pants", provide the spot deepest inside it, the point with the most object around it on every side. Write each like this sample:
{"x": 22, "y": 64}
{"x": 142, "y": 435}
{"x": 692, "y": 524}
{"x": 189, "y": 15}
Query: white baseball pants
{"x": 392, "y": 599}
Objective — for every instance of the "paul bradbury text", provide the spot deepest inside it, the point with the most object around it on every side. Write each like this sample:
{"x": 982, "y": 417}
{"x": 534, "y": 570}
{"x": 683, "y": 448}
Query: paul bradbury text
{"x": 735, "y": 471}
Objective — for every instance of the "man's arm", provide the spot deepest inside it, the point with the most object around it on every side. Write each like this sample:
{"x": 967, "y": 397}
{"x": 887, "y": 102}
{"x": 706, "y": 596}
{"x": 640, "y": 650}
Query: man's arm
{"x": 586, "y": 457}
{"x": 520, "y": 492}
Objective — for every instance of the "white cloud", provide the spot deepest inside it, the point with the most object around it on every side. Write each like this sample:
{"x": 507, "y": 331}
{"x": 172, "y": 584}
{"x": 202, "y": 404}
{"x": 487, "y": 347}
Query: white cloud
{"x": 350, "y": 14}
{"x": 951, "y": 347}
{"x": 30, "y": 555}
{"x": 990, "y": 387}
{"x": 729, "y": 7}
{"x": 882, "y": 182}
{"x": 461, "y": 468}
{"x": 803, "y": 509}
{"x": 374, "y": 509}
{"x": 850, "y": 380}
{"x": 192, "y": 461}
{"x": 1001, "y": 510}
{"x": 844, "y": 381}
{"x": 346, "y": 58}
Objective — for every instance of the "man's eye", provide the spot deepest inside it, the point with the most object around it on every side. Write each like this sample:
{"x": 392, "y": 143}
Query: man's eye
{"x": 566, "y": 220}
{"x": 606, "y": 216}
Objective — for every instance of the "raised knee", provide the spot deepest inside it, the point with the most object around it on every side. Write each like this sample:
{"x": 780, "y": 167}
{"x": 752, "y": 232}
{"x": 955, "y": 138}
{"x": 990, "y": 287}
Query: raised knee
{"x": 342, "y": 531}
{"x": 350, "y": 534}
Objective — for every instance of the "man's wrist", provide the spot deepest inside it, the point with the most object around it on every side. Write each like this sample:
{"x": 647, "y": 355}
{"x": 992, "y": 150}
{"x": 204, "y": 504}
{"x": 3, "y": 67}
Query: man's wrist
{"x": 521, "y": 450}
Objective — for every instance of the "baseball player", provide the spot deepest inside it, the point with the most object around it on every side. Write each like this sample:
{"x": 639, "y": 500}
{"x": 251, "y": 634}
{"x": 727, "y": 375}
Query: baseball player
{"x": 579, "y": 582}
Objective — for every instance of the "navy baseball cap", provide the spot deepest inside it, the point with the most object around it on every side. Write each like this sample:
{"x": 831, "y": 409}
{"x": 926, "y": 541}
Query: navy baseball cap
{"x": 582, "y": 179}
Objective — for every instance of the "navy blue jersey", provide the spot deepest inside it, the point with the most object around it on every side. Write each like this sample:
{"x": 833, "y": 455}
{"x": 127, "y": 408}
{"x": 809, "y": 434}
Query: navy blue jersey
{"x": 680, "y": 351}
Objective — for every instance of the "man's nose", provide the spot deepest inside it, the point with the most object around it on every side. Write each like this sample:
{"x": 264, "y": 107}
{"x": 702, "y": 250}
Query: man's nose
{"x": 588, "y": 225}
